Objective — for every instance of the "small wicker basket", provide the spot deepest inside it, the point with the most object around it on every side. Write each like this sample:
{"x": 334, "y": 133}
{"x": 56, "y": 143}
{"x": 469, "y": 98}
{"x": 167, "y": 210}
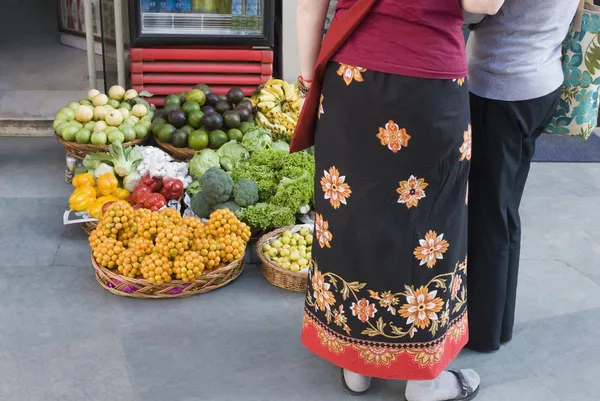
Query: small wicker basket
{"x": 276, "y": 275}
{"x": 179, "y": 154}
{"x": 80, "y": 150}
{"x": 89, "y": 226}
{"x": 140, "y": 288}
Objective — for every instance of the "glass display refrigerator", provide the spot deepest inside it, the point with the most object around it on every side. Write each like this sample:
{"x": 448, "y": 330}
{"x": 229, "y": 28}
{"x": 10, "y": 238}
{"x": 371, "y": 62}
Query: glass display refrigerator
{"x": 202, "y": 22}
{"x": 176, "y": 44}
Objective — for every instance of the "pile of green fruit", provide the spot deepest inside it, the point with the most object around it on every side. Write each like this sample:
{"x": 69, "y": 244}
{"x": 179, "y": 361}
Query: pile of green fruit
{"x": 122, "y": 116}
{"x": 291, "y": 251}
{"x": 200, "y": 119}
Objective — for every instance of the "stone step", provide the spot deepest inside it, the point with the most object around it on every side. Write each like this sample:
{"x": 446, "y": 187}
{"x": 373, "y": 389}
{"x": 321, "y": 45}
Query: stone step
{"x": 26, "y": 127}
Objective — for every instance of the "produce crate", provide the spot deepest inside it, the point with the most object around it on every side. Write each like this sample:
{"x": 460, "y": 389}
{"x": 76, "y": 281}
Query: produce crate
{"x": 140, "y": 288}
{"x": 275, "y": 274}
{"x": 79, "y": 150}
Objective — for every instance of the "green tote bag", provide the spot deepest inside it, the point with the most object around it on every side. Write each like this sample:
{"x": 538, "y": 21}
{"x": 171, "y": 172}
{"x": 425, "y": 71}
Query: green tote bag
{"x": 577, "y": 112}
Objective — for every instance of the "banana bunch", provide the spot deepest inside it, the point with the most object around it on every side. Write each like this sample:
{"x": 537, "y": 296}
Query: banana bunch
{"x": 278, "y": 107}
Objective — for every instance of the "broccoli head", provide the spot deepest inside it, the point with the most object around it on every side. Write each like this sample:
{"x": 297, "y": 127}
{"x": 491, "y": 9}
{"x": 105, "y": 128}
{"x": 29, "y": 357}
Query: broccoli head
{"x": 200, "y": 206}
{"x": 245, "y": 192}
{"x": 231, "y": 205}
{"x": 263, "y": 176}
{"x": 216, "y": 185}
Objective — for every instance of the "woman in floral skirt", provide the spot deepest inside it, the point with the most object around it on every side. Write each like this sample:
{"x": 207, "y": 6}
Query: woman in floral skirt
{"x": 387, "y": 293}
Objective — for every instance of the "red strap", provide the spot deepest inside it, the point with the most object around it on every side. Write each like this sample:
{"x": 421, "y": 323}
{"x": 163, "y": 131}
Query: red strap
{"x": 339, "y": 31}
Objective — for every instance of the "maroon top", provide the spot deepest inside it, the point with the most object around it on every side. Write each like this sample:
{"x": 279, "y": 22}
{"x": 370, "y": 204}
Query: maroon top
{"x": 417, "y": 38}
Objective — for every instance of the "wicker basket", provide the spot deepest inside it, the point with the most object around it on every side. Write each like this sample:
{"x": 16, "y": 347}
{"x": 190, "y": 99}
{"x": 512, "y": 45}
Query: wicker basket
{"x": 140, "y": 288}
{"x": 89, "y": 226}
{"x": 79, "y": 150}
{"x": 179, "y": 154}
{"x": 276, "y": 275}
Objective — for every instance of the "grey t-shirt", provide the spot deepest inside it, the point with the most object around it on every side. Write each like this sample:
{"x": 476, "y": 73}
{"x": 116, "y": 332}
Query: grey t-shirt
{"x": 516, "y": 54}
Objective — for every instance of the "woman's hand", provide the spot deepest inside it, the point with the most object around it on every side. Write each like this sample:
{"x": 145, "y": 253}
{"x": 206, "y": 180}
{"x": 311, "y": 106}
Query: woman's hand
{"x": 310, "y": 22}
{"x": 489, "y": 7}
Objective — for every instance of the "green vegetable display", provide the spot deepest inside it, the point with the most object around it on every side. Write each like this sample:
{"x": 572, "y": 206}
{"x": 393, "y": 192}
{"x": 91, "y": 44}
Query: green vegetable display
{"x": 265, "y": 216}
{"x": 200, "y": 206}
{"x": 194, "y": 188}
{"x": 202, "y": 161}
{"x": 294, "y": 192}
{"x": 281, "y": 145}
{"x": 297, "y": 164}
{"x": 245, "y": 192}
{"x": 216, "y": 185}
{"x": 231, "y": 205}
{"x": 270, "y": 158}
{"x": 231, "y": 154}
{"x": 264, "y": 177}
{"x": 257, "y": 139}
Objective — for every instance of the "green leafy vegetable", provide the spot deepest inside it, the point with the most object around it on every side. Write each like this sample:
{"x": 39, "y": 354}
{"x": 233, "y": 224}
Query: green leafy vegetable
{"x": 231, "y": 153}
{"x": 281, "y": 145}
{"x": 202, "y": 161}
{"x": 294, "y": 192}
{"x": 270, "y": 158}
{"x": 264, "y": 177}
{"x": 265, "y": 216}
{"x": 124, "y": 160}
{"x": 194, "y": 188}
{"x": 245, "y": 192}
{"x": 216, "y": 185}
{"x": 296, "y": 164}
{"x": 256, "y": 139}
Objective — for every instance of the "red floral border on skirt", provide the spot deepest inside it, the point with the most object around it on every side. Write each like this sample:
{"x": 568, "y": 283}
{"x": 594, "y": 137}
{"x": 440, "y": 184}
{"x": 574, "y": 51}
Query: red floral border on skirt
{"x": 409, "y": 361}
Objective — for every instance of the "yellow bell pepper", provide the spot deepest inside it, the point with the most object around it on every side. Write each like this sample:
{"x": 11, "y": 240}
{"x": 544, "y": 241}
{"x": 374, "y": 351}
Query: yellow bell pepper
{"x": 107, "y": 183}
{"x": 85, "y": 189}
{"x": 81, "y": 200}
{"x": 120, "y": 193}
{"x": 83, "y": 180}
{"x": 95, "y": 209}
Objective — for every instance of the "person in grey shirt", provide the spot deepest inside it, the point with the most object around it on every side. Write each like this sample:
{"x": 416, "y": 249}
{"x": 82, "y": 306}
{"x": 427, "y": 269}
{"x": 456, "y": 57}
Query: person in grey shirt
{"x": 515, "y": 80}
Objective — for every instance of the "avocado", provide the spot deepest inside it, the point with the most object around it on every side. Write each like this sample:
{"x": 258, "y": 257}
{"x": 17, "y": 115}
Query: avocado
{"x": 244, "y": 112}
{"x": 235, "y": 95}
{"x": 161, "y": 114}
{"x": 222, "y": 106}
{"x": 246, "y": 103}
{"x": 222, "y": 97}
{"x": 179, "y": 138}
{"x": 177, "y": 118}
{"x": 212, "y": 99}
{"x": 212, "y": 121}
{"x": 231, "y": 119}
{"x": 208, "y": 109}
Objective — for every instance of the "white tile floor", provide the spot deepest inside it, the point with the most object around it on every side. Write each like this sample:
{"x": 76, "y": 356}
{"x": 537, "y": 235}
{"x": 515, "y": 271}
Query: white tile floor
{"x": 62, "y": 337}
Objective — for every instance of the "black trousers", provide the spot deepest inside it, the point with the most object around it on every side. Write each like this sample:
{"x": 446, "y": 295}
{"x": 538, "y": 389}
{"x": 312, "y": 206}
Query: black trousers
{"x": 504, "y": 135}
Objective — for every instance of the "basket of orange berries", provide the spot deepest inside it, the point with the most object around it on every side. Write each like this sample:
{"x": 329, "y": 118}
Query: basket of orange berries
{"x": 160, "y": 254}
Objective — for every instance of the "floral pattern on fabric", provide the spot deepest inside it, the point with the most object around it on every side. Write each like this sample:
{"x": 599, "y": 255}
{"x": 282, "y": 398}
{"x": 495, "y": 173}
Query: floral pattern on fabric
{"x": 465, "y": 148}
{"x": 335, "y": 188}
{"x": 363, "y": 310}
{"x": 577, "y": 111}
{"x": 428, "y": 356}
{"x": 412, "y": 191}
{"x": 377, "y": 355}
{"x": 324, "y": 237}
{"x": 421, "y": 307}
{"x": 350, "y": 73}
{"x": 393, "y": 136}
{"x": 431, "y": 249}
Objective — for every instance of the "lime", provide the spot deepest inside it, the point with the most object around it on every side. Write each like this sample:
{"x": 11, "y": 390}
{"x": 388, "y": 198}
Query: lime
{"x": 60, "y": 127}
{"x": 195, "y": 118}
{"x": 190, "y": 106}
{"x": 164, "y": 133}
{"x": 99, "y": 138}
{"x": 68, "y": 133}
{"x": 68, "y": 112}
{"x": 245, "y": 126}
{"x": 116, "y": 136}
{"x": 83, "y": 136}
{"x": 187, "y": 128}
{"x": 235, "y": 134}
{"x": 123, "y": 105}
{"x": 198, "y": 139}
{"x": 169, "y": 107}
{"x": 204, "y": 88}
{"x": 217, "y": 138}
{"x": 172, "y": 99}
{"x": 141, "y": 130}
{"x": 196, "y": 95}
{"x": 129, "y": 133}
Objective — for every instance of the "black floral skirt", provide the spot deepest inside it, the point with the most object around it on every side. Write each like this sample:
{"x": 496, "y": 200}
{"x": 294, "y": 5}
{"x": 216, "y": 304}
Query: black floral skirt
{"x": 387, "y": 294}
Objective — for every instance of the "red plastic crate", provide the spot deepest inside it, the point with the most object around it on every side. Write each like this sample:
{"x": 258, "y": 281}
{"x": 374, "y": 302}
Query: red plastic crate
{"x": 165, "y": 71}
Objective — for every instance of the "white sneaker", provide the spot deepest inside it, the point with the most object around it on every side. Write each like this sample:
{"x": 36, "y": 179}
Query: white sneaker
{"x": 354, "y": 383}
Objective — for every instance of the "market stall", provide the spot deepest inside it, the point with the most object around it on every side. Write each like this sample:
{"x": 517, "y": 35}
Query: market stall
{"x": 173, "y": 198}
